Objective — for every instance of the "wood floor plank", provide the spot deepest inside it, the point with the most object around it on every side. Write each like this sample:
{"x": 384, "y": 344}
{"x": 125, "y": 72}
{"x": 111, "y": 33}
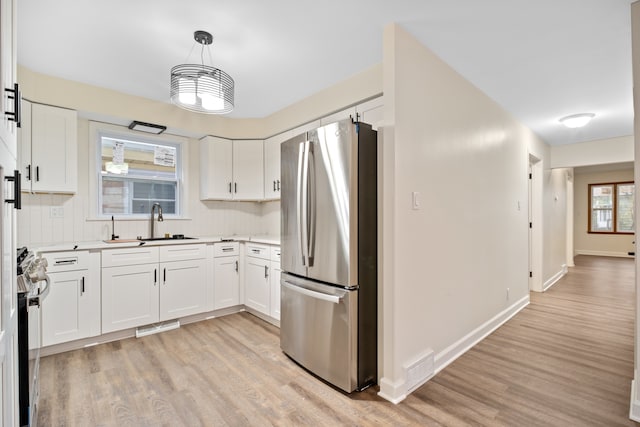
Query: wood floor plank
{"x": 565, "y": 360}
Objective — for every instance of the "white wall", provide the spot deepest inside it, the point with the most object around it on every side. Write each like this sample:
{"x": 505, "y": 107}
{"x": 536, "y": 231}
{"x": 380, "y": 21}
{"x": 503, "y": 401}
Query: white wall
{"x": 602, "y": 151}
{"x": 555, "y": 225}
{"x": 597, "y": 244}
{"x": 447, "y": 267}
{"x": 634, "y": 411}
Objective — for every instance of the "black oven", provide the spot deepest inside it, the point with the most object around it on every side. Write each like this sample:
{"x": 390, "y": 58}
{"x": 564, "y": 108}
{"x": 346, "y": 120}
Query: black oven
{"x": 33, "y": 287}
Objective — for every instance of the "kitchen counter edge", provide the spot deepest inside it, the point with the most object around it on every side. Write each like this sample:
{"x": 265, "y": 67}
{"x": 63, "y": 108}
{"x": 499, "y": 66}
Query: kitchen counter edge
{"x": 101, "y": 245}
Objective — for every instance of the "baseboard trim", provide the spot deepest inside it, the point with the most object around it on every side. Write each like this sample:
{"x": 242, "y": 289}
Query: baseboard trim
{"x": 634, "y": 405}
{"x": 604, "y": 253}
{"x": 423, "y": 367}
{"x": 393, "y": 392}
{"x": 457, "y": 349}
{"x": 554, "y": 279}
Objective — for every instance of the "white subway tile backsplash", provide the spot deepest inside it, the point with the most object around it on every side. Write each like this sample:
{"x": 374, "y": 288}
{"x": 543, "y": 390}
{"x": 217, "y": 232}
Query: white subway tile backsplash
{"x": 36, "y": 227}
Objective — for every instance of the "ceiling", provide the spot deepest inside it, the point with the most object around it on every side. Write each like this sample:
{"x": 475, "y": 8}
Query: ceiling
{"x": 541, "y": 60}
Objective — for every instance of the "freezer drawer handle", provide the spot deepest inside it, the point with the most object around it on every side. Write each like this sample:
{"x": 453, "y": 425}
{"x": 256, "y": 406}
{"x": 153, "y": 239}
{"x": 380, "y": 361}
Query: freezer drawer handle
{"x": 313, "y": 294}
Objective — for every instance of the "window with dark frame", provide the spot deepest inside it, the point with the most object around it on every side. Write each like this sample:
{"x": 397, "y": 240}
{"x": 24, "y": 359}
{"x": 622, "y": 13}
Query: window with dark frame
{"x": 611, "y": 208}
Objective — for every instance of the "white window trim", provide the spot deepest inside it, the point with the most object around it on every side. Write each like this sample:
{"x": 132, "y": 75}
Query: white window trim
{"x": 96, "y": 129}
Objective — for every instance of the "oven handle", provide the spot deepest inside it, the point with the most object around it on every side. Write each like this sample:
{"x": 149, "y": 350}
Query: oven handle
{"x": 44, "y": 291}
{"x": 313, "y": 294}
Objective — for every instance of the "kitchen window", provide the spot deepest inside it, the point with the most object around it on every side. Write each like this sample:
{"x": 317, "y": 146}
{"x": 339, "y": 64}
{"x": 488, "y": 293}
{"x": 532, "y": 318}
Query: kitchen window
{"x": 135, "y": 171}
{"x": 611, "y": 208}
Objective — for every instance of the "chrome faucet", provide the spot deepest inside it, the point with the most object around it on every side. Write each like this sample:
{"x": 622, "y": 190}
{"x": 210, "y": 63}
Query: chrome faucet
{"x": 160, "y": 219}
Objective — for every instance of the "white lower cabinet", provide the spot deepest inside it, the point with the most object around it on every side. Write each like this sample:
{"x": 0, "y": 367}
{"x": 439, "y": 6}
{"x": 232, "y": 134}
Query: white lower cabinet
{"x": 226, "y": 276}
{"x": 130, "y": 296}
{"x": 71, "y": 310}
{"x": 262, "y": 279}
{"x": 275, "y": 283}
{"x": 257, "y": 288}
{"x": 140, "y": 294}
{"x": 183, "y": 289}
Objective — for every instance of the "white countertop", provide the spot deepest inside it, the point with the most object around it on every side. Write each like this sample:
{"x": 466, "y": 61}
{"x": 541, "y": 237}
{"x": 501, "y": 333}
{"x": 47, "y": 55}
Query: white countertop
{"x": 101, "y": 244}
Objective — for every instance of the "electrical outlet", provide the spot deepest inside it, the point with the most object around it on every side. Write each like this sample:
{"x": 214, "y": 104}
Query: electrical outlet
{"x": 56, "y": 212}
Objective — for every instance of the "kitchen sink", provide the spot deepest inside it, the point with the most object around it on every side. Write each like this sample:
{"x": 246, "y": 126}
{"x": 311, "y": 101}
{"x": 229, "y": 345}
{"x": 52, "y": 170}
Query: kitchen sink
{"x": 174, "y": 237}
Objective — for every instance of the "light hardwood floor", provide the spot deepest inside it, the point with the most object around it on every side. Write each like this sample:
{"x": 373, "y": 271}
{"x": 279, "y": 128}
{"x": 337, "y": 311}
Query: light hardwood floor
{"x": 565, "y": 360}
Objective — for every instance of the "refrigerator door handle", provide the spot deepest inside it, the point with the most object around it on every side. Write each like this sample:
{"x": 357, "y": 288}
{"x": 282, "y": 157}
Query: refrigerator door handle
{"x": 303, "y": 199}
{"x": 299, "y": 200}
{"x": 313, "y": 294}
{"x": 311, "y": 204}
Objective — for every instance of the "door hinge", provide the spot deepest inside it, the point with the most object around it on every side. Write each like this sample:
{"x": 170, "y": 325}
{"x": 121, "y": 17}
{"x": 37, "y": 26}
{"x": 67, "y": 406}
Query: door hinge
{"x": 530, "y": 176}
{"x": 531, "y": 274}
{"x": 530, "y": 225}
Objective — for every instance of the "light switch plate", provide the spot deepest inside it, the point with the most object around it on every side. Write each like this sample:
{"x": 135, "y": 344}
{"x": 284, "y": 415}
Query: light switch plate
{"x": 415, "y": 200}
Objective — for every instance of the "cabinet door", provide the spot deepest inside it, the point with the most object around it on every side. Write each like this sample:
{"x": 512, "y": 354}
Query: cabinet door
{"x": 8, "y": 128}
{"x": 272, "y": 181}
{"x": 8, "y": 302}
{"x": 275, "y": 290}
{"x": 257, "y": 292}
{"x": 226, "y": 282}
{"x": 216, "y": 168}
{"x": 67, "y": 310}
{"x": 183, "y": 289}
{"x": 24, "y": 147}
{"x": 130, "y": 296}
{"x": 248, "y": 169}
{"x": 338, "y": 116}
{"x": 54, "y": 149}
{"x": 372, "y": 112}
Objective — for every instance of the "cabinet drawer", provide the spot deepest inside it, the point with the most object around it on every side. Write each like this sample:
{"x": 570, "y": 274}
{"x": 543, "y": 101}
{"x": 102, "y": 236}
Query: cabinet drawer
{"x": 226, "y": 249}
{"x": 66, "y": 261}
{"x": 130, "y": 256}
{"x": 258, "y": 251}
{"x": 275, "y": 253}
{"x": 183, "y": 252}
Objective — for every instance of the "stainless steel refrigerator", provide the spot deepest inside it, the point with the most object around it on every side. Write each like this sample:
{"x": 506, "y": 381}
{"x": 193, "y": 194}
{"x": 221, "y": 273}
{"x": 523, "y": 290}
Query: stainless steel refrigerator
{"x": 329, "y": 253}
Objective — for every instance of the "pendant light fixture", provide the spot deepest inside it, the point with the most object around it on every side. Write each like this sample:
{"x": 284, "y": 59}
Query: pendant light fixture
{"x": 202, "y": 88}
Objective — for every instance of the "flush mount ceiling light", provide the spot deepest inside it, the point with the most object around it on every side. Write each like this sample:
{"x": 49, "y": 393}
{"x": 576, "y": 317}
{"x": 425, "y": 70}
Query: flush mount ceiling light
{"x": 202, "y": 88}
{"x": 147, "y": 127}
{"x": 577, "y": 120}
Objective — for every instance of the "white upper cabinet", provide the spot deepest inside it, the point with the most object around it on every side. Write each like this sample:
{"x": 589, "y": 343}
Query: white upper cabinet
{"x": 231, "y": 170}
{"x": 8, "y": 78}
{"x": 272, "y": 180}
{"x": 24, "y": 147}
{"x": 216, "y": 168}
{"x": 338, "y": 116}
{"x": 371, "y": 112}
{"x": 248, "y": 169}
{"x": 48, "y": 155}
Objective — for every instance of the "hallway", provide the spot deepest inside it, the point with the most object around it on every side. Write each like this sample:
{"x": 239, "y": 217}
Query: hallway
{"x": 565, "y": 360}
